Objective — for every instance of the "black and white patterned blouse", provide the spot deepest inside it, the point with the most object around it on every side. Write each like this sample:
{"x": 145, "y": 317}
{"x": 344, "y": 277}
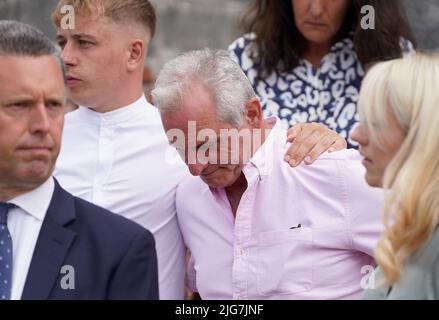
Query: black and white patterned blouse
{"x": 328, "y": 95}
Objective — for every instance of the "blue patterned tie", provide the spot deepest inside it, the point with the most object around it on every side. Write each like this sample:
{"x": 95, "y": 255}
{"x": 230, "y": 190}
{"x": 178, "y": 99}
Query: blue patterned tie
{"x": 5, "y": 253}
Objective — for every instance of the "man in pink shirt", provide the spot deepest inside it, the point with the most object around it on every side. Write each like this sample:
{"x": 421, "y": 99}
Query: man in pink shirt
{"x": 257, "y": 228}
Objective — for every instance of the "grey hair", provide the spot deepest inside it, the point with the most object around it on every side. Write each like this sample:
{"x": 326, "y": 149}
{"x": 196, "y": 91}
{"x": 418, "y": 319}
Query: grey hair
{"x": 217, "y": 72}
{"x": 19, "y": 39}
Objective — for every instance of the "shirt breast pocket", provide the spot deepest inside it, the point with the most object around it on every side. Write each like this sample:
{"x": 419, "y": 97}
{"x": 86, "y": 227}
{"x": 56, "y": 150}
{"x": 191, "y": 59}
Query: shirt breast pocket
{"x": 284, "y": 262}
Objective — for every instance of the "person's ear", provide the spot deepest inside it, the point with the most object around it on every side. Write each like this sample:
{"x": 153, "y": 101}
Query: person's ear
{"x": 136, "y": 54}
{"x": 253, "y": 113}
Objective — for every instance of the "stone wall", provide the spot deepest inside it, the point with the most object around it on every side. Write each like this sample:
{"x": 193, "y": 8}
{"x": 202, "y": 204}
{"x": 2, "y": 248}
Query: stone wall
{"x": 193, "y": 24}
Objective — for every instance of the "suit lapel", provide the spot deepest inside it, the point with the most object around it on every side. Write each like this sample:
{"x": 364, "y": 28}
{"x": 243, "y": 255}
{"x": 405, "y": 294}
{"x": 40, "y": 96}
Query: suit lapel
{"x": 52, "y": 246}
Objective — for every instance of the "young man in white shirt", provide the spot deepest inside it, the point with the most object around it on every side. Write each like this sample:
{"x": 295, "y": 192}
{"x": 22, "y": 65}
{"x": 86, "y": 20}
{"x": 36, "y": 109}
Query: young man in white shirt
{"x": 114, "y": 147}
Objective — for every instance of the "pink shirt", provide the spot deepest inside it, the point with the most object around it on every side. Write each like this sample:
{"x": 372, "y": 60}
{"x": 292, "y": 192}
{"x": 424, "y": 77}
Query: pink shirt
{"x": 303, "y": 233}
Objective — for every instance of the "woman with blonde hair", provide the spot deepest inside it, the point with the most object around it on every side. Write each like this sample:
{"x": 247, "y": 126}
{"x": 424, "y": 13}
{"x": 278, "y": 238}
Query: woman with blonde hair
{"x": 398, "y": 136}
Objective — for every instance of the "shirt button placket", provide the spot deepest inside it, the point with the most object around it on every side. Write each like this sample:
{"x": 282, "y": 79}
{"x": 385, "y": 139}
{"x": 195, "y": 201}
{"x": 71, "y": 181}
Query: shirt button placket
{"x": 104, "y": 164}
{"x": 242, "y": 237}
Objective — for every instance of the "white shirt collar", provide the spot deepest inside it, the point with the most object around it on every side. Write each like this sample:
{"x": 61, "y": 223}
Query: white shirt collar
{"x": 118, "y": 116}
{"x": 37, "y": 201}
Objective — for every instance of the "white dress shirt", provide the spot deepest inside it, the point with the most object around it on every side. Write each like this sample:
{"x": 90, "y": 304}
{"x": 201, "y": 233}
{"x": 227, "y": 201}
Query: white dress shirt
{"x": 122, "y": 161}
{"x": 24, "y": 224}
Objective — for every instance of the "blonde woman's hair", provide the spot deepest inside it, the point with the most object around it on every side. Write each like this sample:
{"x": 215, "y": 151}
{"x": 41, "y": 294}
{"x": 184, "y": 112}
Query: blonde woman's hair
{"x": 408, "y": 87}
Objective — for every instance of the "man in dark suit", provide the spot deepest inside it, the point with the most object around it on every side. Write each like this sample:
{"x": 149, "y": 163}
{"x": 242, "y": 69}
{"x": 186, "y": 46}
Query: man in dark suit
{"x": 52, "y": 244}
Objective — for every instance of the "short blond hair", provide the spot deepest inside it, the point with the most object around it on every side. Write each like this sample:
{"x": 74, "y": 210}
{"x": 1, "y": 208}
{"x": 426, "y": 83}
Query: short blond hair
{"x": 140, "y": 11}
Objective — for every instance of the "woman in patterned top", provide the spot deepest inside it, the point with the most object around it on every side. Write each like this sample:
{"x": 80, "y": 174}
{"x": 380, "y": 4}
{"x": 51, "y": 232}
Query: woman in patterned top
{"x": 306, "y": 58}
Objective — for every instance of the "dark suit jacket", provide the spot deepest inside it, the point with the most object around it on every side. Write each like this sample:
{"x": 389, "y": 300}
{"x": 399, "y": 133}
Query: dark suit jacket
{"x": 110, "y": 256}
